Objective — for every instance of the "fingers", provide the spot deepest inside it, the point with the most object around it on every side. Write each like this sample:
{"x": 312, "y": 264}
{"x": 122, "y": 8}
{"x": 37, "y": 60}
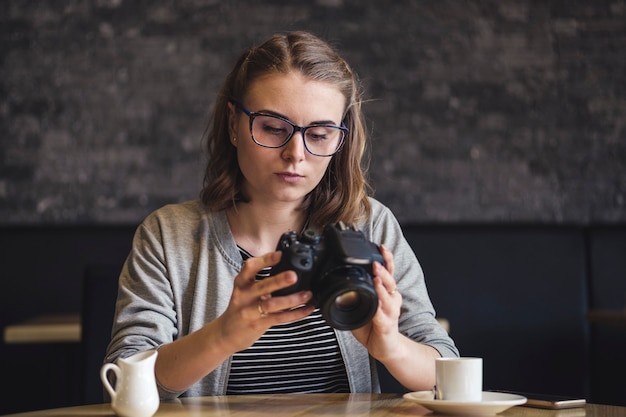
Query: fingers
{"x": 252, "y": 309}
{"x": 388, "y": 257}
{"x": 255, "y": 296}
{"x": 247, "y": 278}
{"x": 262, "y": 313}
{"x": 386, "y": 290}
{"x": 266, "y": 306}
{"x": 253, "y": 265}
{"x": 385, "y": 274}
{"x": 265, "y": 309}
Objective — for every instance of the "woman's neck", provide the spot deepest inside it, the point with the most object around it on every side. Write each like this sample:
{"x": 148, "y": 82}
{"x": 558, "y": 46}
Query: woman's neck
{"x": 258, "y": 229}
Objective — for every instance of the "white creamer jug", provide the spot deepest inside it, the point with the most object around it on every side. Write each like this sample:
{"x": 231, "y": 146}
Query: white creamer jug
{"x": 135, "y": 393}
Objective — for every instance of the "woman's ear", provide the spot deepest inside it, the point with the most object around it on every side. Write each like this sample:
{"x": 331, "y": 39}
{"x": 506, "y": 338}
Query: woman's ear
{"x": 232, "y": 123}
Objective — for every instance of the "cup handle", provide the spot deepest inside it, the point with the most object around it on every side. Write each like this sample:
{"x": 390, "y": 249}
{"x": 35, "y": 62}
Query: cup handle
{"x": 105, "y": 381}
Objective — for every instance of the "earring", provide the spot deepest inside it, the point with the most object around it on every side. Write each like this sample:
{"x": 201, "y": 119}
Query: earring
{"x": 234, "y": 141}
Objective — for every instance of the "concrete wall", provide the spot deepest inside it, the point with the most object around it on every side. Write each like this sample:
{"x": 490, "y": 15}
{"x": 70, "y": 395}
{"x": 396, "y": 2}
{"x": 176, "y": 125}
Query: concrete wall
{"x": 480, "y": 111}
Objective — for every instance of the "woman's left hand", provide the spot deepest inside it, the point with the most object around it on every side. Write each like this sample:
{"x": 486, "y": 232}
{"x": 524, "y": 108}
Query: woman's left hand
{"x": 380, "y": 336}
{"x": 383, "y": 340}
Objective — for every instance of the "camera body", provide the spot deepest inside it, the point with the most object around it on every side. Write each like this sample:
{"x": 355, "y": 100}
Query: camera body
{"x": 337, "y": 268}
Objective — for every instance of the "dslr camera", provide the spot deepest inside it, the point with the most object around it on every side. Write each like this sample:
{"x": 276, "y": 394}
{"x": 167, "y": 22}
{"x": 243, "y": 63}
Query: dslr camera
{"x": 337, "y": 268}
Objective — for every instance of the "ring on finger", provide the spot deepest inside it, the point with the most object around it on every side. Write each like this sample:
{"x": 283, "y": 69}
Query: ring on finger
{"x": 392, "y": 292}
{"x": 262, "y": 312}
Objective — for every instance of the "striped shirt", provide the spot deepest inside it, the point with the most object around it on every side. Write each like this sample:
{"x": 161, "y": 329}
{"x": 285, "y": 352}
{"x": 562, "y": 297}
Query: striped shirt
{"x": 297, "y": 357}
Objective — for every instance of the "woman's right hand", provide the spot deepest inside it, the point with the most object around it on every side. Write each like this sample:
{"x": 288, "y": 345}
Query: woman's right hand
{"x": 252, "y": 309}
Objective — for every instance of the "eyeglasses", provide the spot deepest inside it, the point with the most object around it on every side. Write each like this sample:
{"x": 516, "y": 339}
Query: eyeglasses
{"x": 272, "y": 131}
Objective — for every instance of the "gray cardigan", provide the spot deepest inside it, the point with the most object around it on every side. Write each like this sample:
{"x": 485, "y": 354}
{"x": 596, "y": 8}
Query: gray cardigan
{"x": 179, "y": 276}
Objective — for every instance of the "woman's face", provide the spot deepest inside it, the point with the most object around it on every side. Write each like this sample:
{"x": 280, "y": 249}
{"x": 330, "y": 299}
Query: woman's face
{"x": 289, "y": 173}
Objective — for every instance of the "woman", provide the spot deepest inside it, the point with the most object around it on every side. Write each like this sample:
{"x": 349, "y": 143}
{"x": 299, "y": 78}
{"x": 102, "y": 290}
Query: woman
{"x": 285, "y": 146}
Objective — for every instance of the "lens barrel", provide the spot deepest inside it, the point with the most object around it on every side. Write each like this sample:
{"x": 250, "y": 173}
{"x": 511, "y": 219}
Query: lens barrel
{"x": 347, "y": 298}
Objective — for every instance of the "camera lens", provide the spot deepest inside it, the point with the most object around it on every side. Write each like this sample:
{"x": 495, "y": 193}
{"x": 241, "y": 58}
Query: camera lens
{"x": 347, "y": 301}
{"x": 347, "y": 298}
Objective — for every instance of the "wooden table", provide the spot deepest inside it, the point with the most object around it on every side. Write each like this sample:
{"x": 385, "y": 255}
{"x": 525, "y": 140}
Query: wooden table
{"x": 321, "y": 405}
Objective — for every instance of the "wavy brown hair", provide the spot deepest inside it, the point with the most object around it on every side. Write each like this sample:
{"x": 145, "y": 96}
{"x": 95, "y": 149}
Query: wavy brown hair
{"x": 342, "y": 193}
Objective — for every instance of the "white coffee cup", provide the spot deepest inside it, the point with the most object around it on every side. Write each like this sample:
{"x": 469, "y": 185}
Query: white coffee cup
{"x": 459, "y": 379}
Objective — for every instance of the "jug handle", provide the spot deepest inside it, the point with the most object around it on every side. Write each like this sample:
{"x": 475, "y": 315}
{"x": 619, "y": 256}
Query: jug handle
{"x": 105, "y": 381}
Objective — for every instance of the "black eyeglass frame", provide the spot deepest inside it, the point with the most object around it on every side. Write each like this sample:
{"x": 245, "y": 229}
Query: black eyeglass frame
{"x": 302, "y": 129}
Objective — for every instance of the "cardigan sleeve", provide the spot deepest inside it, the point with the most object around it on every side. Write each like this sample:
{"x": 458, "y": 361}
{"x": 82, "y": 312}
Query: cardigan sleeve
{"x": 417, "y": 317}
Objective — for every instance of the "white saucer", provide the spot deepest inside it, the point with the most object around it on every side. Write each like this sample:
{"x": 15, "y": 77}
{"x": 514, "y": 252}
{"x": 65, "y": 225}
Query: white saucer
{"x": 492, "y": 403}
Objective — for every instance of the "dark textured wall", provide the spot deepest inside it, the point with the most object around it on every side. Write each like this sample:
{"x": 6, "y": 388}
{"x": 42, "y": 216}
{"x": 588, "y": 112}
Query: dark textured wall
{"x": 480, "y": 111}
